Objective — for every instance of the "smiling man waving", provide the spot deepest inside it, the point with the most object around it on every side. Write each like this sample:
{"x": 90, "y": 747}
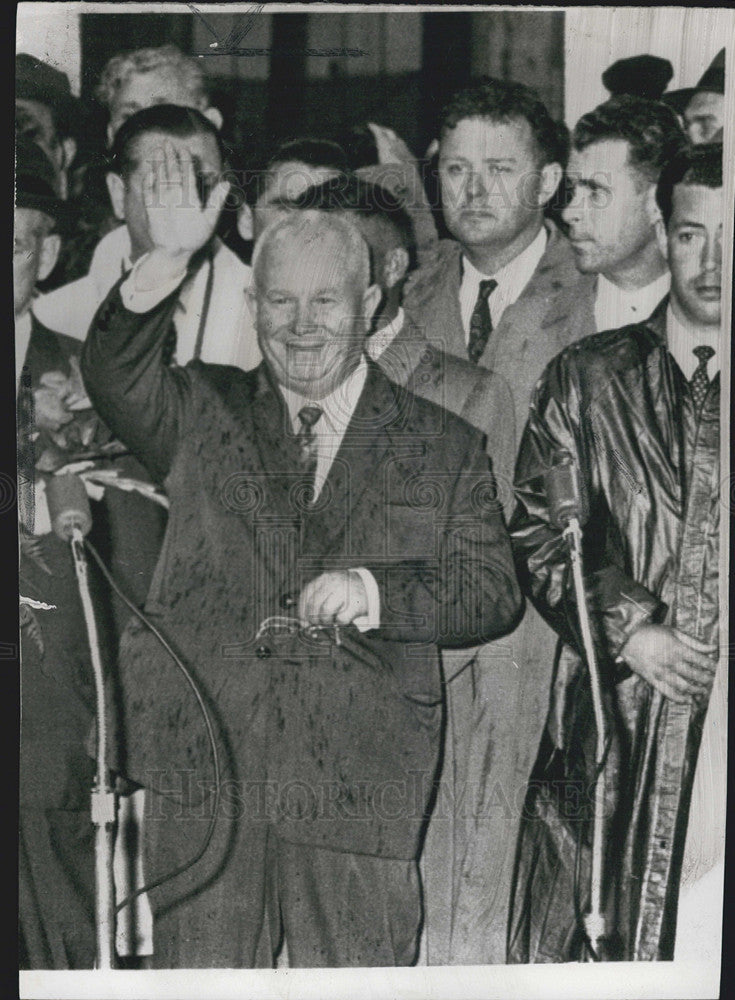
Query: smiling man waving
{"x": 310, "y": 487}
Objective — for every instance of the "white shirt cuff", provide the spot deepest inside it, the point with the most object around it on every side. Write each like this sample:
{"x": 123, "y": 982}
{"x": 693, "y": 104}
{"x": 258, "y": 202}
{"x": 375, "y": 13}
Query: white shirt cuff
{"x": 138, "y": 301}
{"x": 372, "y": 619}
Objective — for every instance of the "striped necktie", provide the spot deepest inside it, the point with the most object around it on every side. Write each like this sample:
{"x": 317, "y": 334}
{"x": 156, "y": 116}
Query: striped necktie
{"x": 307, "y": 442}
{"x": 481, "y": 324}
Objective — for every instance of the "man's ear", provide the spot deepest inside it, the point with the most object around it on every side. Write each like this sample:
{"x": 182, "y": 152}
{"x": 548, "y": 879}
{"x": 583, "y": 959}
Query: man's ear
{"x": 245, "y": 221}
{"x": 657, "y": 221}
{"x": 116, "y": 190}
{"x": 551, "y": 175}
{"x": 370, "y": 302}
{"x": 215, "y": 116}
{"x": 395, "y": 266}
{"x": 50, "y": 247}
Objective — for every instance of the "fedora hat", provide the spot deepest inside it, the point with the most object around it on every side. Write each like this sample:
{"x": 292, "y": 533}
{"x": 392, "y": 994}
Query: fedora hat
{"x": 37, "y": 81}
{"x": 712, "y": 81}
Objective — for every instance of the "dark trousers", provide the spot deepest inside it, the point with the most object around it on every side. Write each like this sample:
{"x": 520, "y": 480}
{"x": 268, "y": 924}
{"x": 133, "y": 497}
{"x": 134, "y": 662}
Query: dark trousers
{"x": 252, "y": 889}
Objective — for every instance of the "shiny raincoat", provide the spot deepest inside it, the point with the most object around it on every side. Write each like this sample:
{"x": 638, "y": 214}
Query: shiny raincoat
{"x": 650, "y": 474}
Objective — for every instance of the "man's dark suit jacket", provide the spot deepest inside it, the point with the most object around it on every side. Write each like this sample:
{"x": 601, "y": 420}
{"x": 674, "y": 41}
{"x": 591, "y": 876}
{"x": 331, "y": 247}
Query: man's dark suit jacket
{"x": 346, "y": 734}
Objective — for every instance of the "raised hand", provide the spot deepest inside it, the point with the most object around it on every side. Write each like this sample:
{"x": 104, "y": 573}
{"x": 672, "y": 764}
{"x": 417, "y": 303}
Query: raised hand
{"x": 177, "y": 222}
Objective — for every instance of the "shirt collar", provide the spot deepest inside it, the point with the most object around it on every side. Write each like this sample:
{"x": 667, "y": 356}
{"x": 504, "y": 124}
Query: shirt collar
{"x": 616, "y": 306}
{"x": 337, "y": 407}
{"x": 517, "y": 272}
{"x": 681, "y": 340}
{"x": 382, "y": 339}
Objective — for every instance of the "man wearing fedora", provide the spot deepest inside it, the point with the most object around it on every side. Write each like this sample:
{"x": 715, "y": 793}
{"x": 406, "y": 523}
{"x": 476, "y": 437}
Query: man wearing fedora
{"x": 703, "y": 107}
{"x": 45, "y": 111}
{"x": 56, "y": 850}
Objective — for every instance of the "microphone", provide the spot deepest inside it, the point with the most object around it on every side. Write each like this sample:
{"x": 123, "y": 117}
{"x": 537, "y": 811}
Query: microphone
{"x": 562, "y": 490}
{"x": 68, "y": 506}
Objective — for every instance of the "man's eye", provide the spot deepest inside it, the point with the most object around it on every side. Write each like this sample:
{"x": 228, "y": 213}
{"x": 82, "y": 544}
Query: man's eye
{"x": 454, "y": 169}
{"x": 324, "y": 300}
{"x": 685, "y": 237}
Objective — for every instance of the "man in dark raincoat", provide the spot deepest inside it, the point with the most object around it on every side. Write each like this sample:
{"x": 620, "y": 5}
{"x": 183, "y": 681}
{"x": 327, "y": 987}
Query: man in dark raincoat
{"x": 637, "y": 409}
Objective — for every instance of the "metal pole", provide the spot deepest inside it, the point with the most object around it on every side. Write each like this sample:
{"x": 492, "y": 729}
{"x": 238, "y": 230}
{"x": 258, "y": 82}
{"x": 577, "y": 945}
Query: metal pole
{"x": 103, "y": 798}
{"x": 594, "y": 919}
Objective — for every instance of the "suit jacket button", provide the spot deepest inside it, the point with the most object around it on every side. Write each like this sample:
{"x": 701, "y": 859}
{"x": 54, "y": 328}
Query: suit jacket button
{"x": 262, "y": 652}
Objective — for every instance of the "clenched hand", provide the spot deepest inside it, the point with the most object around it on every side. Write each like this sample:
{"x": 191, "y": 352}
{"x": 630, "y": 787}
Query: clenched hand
{"x": 334, "y": 598}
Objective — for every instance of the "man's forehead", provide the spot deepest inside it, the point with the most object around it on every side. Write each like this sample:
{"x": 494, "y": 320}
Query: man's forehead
{"x": 470, "y": 134}
{"x": 607, "y": 155}
{"x": 697, "y": 203}
{"x": 307, "y": 257}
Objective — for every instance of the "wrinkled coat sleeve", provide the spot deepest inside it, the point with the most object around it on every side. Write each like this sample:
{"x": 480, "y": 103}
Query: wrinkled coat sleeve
{"x": 469, "y": 594}
{"x": 617, "y": 603}
{"x": 141, "y": 400}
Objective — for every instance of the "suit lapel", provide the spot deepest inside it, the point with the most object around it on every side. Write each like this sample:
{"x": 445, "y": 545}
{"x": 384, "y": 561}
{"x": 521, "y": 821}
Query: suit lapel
{"x": 358, "y": 464}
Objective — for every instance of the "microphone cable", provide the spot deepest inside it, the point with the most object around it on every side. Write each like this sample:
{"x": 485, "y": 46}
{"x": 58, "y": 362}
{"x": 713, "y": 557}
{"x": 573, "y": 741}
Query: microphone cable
{"x": 180, "y": 869}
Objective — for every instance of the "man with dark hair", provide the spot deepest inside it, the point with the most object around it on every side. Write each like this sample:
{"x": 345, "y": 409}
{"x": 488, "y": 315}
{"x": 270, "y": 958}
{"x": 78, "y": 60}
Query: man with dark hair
{"x": 295, "y": 166}
{"x": 213, "y": 322}
{"x": 618, "y": 150}
{"x": 505, "y": 293}
{"x": 637, "y": 410}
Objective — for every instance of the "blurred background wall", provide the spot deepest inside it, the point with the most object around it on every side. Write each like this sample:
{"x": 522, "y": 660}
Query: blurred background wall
{"x": 321, "y": 71}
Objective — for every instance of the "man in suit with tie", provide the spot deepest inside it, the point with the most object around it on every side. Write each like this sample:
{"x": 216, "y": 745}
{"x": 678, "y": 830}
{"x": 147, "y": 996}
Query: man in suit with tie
{"x": 506, "y": 294}
{"x": 638, "y": 411}
{"x": 483, "y": 399}
{"x": 311, "y": 488}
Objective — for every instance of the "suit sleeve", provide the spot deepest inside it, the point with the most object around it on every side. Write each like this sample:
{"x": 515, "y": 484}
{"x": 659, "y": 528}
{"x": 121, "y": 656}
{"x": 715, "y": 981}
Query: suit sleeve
{"x": 142, "y": 401}
{"x": 617, "y": 603}
{"x": 466, "y": 592}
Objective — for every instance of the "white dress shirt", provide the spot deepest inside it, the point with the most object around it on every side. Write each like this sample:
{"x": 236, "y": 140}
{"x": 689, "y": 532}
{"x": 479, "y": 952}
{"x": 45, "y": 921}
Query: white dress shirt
{"x": 511, "y": 279}
{"x": 616, "y": 307}
{"x": 682, "y": 340}
{"x": 381, "y": 340}
{"x": 337, "y": 410}
{"x": 229, "y": 334}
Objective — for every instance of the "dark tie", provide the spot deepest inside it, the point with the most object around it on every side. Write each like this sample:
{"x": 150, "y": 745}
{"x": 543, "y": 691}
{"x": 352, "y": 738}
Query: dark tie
{"x": 699, "y": 382}
{"x": 306, "y": 440}
{"x": 481, "y": 325}
{"x": 168, "y": 352}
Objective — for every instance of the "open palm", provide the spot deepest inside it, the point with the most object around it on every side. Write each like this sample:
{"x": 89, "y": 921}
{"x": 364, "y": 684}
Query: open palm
{"x": 177, "y": 222}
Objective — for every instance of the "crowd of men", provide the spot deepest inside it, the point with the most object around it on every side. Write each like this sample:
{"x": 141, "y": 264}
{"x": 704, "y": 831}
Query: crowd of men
{"x": 317, "y": 454}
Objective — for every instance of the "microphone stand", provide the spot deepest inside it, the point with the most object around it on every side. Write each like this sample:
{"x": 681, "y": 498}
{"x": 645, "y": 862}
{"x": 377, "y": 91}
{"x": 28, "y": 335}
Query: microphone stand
{"x": 594, "y": 920}
{"x": 102, "y": 797}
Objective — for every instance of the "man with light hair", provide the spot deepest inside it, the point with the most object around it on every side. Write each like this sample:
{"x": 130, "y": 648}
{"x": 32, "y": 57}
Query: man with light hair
{"x": 135, "y": 80}
{"x": 327, "y": 535}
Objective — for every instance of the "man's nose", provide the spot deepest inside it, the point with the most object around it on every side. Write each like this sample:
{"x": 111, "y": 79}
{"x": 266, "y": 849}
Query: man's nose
{"x": 572, "y": 211}
{"x": 303, "y": 321}
{"x": 712, "y": 253}
{"x": 475, "y": 186}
